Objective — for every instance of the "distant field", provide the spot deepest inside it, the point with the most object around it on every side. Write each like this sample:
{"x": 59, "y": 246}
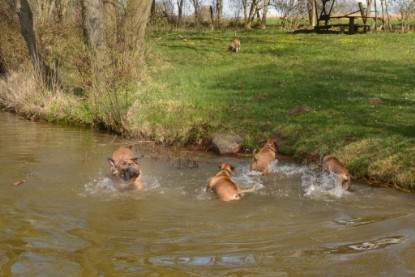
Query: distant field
{"x": 198, "y": 87}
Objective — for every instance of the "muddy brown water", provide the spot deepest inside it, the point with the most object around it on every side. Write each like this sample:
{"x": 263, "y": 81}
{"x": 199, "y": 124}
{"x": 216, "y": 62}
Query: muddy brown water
{"x": 68, "y": 220}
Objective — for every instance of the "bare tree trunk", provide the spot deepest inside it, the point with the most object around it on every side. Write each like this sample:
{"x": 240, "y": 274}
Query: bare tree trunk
{"x": 245, "y": 7}
{"x": 137, "y": 16}
{"x": 43, "y": 71}
{"x": 110, "y": 22}
{"x": 387, "y": 21}
{"x": 180, "y": 12}
{"x": 212, "y": 24}
{"x": 219, "y": 6}
{"x": 153, "y": 7}
{"x": 248, "y": 23}
{"x": 382, "y": 3}
{"x": 196, "y": 6}
{"x": 93, "y": 24}
{"x": 264, "y": 14}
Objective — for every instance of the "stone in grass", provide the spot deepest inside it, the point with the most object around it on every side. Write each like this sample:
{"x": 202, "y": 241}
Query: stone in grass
{"x": 226, "y": 143}
{"x": 299, "y": 109}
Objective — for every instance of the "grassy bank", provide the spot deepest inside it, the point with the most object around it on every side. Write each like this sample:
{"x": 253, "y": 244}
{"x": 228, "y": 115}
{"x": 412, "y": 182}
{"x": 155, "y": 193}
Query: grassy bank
{"x": 202, "y": 87}
{"x": 196, "y": 87}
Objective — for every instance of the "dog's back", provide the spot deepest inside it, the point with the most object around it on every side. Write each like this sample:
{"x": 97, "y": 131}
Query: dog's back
{"x": 222, "y": 185}
{"x": 225, "y": 188}
{"x": 332, "y": 164}
{"x": 265, "y": 156}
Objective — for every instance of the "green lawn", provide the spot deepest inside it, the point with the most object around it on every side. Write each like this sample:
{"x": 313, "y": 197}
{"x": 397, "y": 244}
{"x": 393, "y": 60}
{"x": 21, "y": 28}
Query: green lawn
{"x": 198, "y": 87}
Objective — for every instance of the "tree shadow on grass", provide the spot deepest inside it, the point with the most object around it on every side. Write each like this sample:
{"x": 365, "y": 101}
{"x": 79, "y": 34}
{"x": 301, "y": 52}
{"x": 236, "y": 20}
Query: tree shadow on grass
{"x": 340, "y": 96}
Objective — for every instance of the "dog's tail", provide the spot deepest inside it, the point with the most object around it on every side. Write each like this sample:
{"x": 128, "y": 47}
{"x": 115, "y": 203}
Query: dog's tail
{"x": 254, "y": 154}
{"x": 248, "y": 190}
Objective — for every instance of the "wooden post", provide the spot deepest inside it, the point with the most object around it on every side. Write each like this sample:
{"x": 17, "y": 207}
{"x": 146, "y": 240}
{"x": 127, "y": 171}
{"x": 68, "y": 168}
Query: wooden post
{"x": 351, "y": 25}
{"x": 212, "y": 20}
{"x": 314, "y": 14}
{"x": 362, "y": 13}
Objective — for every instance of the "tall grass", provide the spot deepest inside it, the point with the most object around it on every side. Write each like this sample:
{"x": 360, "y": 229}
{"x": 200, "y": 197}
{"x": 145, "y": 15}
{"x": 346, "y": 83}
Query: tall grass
{"x": 22, "y": 93}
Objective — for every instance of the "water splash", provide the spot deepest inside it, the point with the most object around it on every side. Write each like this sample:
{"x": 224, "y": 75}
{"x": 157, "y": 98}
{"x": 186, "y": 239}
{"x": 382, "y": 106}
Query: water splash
{"x": 321, "y": 186}
{"x": 247, "y": 178}
{"x": 287, "y": 169}
{"x": 103, "y": 185}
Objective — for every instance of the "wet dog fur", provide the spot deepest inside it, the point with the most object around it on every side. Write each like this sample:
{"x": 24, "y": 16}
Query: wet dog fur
{"x": 262, "y": 159}
{"x": 125, "y": 167}
{"x": 222, "y": 185}
{"x": 337, "y": 169}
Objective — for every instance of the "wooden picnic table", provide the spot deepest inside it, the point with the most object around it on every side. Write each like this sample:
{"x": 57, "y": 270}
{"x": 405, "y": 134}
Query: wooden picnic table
{"x": 352, "y": 26}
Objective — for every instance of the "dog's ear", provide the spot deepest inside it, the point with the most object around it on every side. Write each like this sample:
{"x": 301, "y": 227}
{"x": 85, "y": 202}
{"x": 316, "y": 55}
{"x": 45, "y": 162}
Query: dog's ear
{"x": 112, "y": 163}
{"x": 232, "y": 168}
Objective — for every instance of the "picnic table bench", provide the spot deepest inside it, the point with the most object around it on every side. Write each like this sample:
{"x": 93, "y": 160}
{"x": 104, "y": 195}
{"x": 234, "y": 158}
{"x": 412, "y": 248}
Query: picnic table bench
{"x": 351, "y": 25}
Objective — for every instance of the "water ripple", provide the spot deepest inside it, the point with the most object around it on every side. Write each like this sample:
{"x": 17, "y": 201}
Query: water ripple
{"x": 354, "y": 248}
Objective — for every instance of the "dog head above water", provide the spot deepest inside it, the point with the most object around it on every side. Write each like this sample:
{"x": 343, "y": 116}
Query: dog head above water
{"x": 125, "y": 167}
{"x": 226, "y": 168}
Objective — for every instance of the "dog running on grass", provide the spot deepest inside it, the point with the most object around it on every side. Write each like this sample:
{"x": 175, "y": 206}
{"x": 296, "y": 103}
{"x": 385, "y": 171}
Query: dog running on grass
{"x": 125, "y": 166}
{"x": 222, "y": 185}
{"x": 235, "y": 45}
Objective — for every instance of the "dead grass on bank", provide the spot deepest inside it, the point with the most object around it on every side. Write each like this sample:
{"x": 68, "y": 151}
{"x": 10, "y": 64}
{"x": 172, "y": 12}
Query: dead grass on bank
{"x": 21, "y": 93}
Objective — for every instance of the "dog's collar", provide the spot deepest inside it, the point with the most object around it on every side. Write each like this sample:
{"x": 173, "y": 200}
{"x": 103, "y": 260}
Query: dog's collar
{"x": 227, "y": 170}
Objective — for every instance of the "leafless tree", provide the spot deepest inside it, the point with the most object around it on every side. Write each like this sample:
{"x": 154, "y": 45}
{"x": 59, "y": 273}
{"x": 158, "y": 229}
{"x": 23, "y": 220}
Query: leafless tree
{"x": 219, "y": 12}
{"x": 264, "y": 13}
{"x": 292, "y": 12}
{"x": 406, "y": 10}
{"x": 44, "y": 73}
{"x": 251, "y": 14}
{"x": 196, "y": 7}
{"x": 180, "y": 4}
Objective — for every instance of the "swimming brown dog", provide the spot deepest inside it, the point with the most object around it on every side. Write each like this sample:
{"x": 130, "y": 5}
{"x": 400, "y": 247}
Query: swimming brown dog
{"x": 265, "y": 156}
{"x": 124, "y": 166}
{"x": 222, "y": 185}
{"x": 340, "y": 172}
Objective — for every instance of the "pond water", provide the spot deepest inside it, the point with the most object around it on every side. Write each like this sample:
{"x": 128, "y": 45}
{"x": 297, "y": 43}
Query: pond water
{"x": 68, "y": 220}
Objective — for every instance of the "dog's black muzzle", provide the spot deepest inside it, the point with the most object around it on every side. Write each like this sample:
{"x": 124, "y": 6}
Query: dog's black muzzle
{"x": 129, "y": 172}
